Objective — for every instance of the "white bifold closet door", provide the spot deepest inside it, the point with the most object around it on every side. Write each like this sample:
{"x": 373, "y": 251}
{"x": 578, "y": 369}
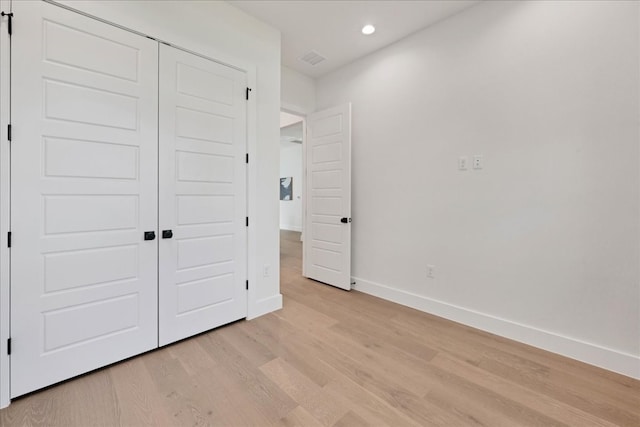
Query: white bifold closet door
{"x": 94, "y": 219}
{"x": 203, "y": 259}
{"x": 83, "y": 192}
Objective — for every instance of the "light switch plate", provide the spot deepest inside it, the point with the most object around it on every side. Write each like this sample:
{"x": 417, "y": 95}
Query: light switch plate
{"x": 463, "y": 163}
{"x": 478, "y": 161}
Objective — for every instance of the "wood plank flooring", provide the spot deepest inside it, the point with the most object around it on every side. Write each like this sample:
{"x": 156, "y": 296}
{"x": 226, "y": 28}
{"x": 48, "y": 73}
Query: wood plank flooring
{"x": 336, "y": 358}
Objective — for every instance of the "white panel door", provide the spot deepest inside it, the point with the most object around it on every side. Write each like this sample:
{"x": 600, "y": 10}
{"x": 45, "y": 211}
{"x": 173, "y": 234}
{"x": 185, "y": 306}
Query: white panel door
{"x": 327, "y": 240}
{"x": 203, "y": 245}
{"x": 84, "y": 191}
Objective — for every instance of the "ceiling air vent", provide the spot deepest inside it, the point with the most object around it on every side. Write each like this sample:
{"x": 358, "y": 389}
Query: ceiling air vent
{"x": 312, "y": 57}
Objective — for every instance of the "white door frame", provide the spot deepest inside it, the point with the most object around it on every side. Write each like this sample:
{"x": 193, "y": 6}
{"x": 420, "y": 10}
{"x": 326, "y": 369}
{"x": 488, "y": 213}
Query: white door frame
{"x": 253, "y": 301}
{"x": 5, "y": 164}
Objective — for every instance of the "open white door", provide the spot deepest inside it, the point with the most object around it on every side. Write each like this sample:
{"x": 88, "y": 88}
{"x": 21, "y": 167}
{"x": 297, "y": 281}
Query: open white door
{"x": 203, "y": 238}
{"x": 327, "y": 242}
{"x": 84, "y": 192}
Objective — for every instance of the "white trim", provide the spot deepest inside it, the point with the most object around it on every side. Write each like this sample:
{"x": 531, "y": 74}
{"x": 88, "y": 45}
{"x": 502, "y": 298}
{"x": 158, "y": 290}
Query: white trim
{"x": 593, "y": 354}
{"x": 252, "y": 193}
{"x": 293, "y": 109}
{"x": 291, "y": 227}
{"x": 5, "y": 164}
{"x": 265, "y": 306}
{"x": 303, "y": 195}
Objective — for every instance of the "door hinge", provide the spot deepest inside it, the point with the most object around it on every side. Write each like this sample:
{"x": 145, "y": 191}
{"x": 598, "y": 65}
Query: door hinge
{"x": 247, "y": 158}
{"x": 247, "y": 284}
{"x": 9, "y": 132}
{"x": 10, "y": 22}
{"x": 9, "y": 239}
{"x": 9, "y": 346}
{"x": 247, "y": 221}
{"x": 247, "y": 93}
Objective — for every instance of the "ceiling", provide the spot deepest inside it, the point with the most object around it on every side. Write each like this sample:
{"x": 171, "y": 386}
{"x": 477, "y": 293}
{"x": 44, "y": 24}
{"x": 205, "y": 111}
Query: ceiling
{"x": 332, "y": 27}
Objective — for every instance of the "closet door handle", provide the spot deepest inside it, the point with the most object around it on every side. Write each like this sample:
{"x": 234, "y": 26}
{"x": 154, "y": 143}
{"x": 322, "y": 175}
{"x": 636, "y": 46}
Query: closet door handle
{"x": 167, "y": 234}
{"x": 345, "y": 220}
{"x": 149, "y": 235}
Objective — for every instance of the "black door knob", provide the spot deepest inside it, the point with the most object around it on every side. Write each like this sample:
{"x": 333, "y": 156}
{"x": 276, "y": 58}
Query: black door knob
{"x": 345, "y": 220}
{"x": 149, "y": 235}
{"x": 167, "y": 234}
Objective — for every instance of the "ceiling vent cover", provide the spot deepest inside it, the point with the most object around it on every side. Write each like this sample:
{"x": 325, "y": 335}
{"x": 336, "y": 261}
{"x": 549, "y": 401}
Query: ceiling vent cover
{"x": 312, "y": 57}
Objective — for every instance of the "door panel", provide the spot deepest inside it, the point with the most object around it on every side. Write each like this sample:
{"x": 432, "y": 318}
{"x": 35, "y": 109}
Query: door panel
{"x": 202, "y": 195}
{"x": 84, "y": 190}
{"x": 327, "y": 243}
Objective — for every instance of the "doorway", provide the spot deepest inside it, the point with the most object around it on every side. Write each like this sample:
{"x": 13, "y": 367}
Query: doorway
{"x": 291, "y": 192}
{"x": 324, "y": 161}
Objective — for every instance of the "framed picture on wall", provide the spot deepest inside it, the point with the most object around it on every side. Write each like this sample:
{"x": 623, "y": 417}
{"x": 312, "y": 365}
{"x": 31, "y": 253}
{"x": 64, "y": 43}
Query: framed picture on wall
{"x": 286, "y": 188}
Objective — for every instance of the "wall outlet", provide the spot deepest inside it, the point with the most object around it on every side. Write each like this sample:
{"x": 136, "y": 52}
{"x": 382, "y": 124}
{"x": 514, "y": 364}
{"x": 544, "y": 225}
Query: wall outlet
{"x": 431, "y": 271}
{"x": 463, "y": 163}
{"x": 478, "y": 161}
{"x": 266, "y": 270}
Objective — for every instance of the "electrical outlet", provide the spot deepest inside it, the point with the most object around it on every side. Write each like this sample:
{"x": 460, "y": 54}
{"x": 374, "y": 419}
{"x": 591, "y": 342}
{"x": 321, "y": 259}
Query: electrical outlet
{"x": 266, "y": 270}
{"x": 431, "y": 271}
{"x": 463, "y": 163}
{"x": 478, "y": 161}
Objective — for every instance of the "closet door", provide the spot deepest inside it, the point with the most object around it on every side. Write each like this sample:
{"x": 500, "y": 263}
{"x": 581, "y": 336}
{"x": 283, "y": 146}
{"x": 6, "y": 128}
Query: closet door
{"x": 203, "y": 246}
{"x": 84, "y": 191}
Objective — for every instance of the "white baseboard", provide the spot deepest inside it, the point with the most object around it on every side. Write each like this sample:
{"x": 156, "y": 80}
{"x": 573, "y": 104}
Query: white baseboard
{"x": 264, "y": 306}
{"x": 291, "y": 227}
{"x": 622, "y": 363}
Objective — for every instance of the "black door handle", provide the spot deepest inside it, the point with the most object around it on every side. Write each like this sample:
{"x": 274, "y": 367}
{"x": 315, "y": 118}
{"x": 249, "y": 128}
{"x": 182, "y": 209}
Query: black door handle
{"x": 167, "y": 234}
{"x": 345, "y": 220}
{"x": 149, "y": 235}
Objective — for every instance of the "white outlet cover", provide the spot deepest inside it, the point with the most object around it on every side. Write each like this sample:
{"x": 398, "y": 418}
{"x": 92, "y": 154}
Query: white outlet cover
{"x": 431, "y": 271}
{"x": 463, "y": 162}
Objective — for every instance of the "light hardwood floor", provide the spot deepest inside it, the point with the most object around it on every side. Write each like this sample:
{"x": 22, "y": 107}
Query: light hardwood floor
{"x": 336, "y": 358}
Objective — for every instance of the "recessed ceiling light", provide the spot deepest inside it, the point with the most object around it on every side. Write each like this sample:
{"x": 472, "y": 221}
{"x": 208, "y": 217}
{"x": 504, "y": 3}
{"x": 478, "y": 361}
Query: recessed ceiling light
{"x": 368, "y": 29}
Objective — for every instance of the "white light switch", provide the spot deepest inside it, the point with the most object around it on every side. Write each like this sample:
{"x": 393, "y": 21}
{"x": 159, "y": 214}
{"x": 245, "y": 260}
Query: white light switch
{"x": 478, "y": 162}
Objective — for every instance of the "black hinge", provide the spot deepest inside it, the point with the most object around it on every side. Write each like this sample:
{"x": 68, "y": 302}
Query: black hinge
{"x": 247, "y": 284}
{"x": 247, "y": 157}
{"x": 247, "y": 221}
{"x": 9, "y": 132}
{"x": 10, "y": 22}
{"x": 9, "y": 239}
{"x": 9, "y": 346}
{"x": 247, "y": 94}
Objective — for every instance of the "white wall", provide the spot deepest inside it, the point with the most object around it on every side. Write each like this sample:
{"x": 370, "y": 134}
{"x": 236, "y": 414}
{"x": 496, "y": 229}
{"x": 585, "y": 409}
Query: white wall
{"x": 221, "y": 31}
{"x": 542, "y": 245}
{"x": 291, "y": 165}
{"x": 298, "y": 92}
